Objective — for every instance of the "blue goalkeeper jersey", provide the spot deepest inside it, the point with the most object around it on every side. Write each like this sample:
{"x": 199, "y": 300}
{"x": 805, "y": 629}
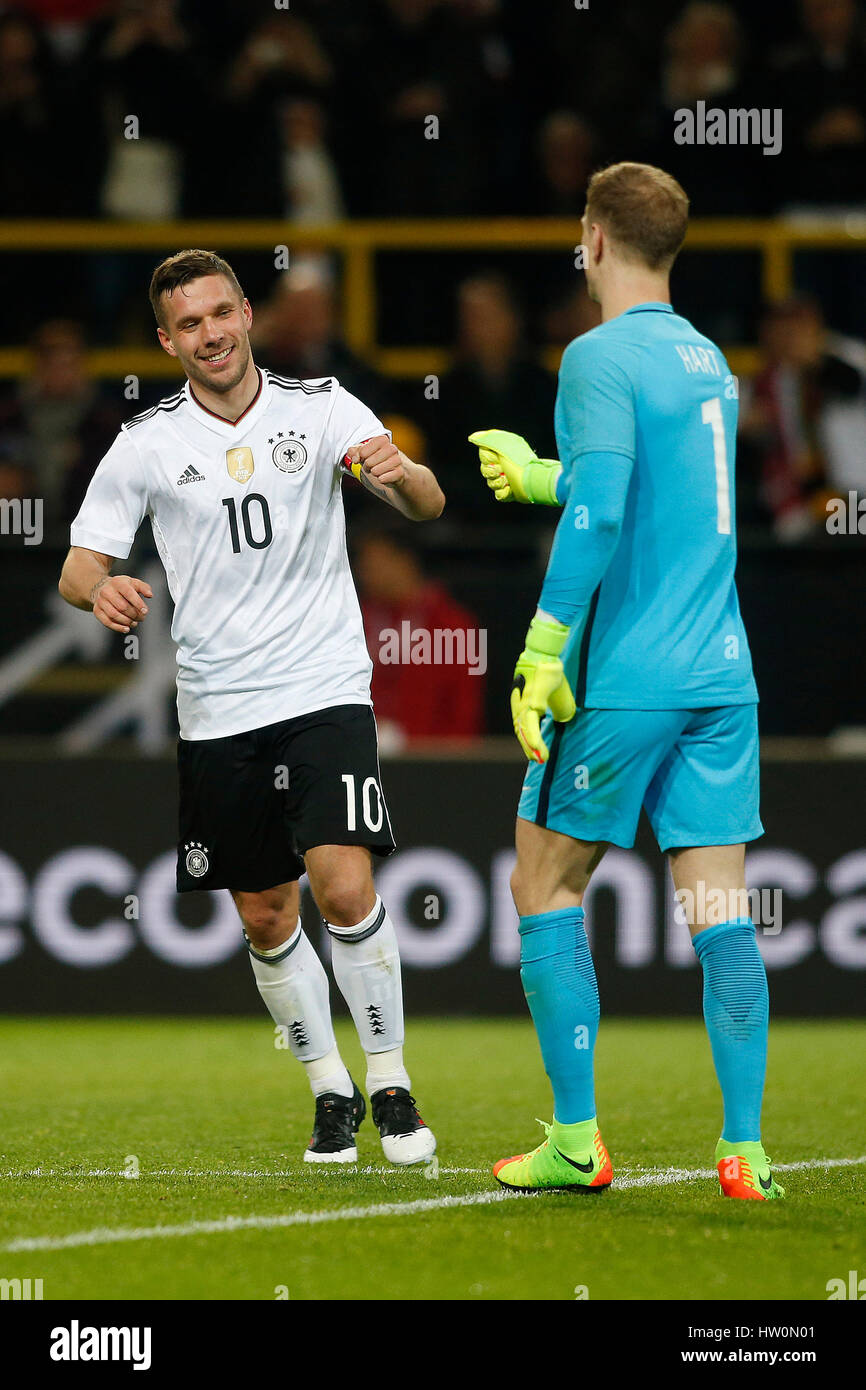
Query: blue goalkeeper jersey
{"x": 646, "y": 419}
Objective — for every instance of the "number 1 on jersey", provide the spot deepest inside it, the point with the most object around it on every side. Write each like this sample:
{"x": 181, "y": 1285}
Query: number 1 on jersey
{"x": 711, "y": 414}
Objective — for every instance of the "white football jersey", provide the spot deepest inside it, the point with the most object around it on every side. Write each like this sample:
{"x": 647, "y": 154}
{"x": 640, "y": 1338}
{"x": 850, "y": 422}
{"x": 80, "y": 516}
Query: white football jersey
{"x": 248, "y": 521}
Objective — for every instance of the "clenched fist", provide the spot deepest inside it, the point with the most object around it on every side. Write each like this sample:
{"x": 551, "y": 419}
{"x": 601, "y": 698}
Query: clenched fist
{"x": 118, "y": 601}
{"x": 378, "y": 457}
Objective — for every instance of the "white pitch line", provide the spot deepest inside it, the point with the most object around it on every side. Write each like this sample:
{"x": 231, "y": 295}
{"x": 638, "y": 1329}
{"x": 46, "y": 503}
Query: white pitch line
{"x": 819, "y": 1163}
{"x": 105, "y": 1236}
{"x": 102, "y": 1235}
{"x": 347, "y": 1169}
{"x": 663, "y": 1177}
{"x": 627, "y": 1175}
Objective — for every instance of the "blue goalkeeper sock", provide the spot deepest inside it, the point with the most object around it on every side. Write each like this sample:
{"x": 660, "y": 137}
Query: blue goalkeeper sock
{"x": 736, "y": 1011}
{"x": 559, "y": 983}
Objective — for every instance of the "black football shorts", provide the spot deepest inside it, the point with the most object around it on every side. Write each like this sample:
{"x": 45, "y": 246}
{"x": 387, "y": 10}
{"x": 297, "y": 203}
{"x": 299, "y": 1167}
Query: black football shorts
{"x": 252, "y": 804}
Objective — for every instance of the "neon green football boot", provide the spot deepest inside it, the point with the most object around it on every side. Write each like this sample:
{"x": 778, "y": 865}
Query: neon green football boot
{"x": 744, "y": 1171}
{"x": 549, "y": 1167}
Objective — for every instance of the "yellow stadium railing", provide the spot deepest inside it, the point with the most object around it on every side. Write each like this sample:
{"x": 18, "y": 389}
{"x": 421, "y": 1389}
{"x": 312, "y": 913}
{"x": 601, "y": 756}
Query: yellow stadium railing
{"x": 358, "y": 243}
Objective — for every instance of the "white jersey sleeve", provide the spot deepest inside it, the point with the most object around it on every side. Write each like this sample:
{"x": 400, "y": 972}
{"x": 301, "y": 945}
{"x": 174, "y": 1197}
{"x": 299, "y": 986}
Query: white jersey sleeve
{"x": 115, "y": 503}
{"x": 350, "y": 422}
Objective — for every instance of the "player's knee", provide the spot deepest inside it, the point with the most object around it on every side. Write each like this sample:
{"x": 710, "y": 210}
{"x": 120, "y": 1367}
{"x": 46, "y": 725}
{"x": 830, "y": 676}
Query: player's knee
{"x": 267, "y": 924}
{"x": 525, "y": 889}
{"x": 542, "y": 888}
{"x": 346, "y": 903}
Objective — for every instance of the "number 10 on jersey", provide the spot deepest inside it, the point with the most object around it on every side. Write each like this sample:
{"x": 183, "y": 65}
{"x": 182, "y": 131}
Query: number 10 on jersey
{"x": 370, "y": 786}
{"x": 264, "y": 522}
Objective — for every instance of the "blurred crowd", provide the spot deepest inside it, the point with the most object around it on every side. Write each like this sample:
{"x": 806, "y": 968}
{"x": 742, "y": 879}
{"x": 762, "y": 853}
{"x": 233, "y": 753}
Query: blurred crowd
{"x": 415, "y": 107}
{"x": 802, "y": 422}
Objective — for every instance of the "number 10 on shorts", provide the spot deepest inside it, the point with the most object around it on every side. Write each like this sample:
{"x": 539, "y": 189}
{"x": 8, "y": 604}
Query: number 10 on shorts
{"x": 370, "y": 786}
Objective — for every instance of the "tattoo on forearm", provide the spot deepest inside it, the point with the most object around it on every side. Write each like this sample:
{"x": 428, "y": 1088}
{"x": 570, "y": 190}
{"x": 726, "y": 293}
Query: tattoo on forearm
{"x": 380, "y": 489}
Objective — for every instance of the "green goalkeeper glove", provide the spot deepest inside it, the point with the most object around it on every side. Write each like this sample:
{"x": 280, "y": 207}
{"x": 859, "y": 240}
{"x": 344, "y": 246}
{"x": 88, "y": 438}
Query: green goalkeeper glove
{"x": 512, "y": 470}
{"x": 539, "y": 685}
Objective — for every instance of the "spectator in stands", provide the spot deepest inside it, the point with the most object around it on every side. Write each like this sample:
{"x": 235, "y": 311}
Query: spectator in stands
{"x": 495, "y": 382}
{"x": 705, "y": 61}
{"x": 843, "y": 419}
{"x": 485, "y": 121}
{"x": 56, "y": 422}
{"x": 598, "y": 60}
{"x": 570, "y": 314}
{"x": 805, "y": 417}
{"x": 66, "y": 23}
{"x": 566, "y": 150}
{"x": 281, "y": 54}
{"x": 282, "y": 60}
{"x": 31, "y": 131}
{"x": 437, "y": 118}
{"x": 403, "y": 60}
{"x": 567, "y": 154}
{"x": 703, "y": 55}
{"x": 142, "y": 54}
{"x": 311, "y": 183}
{"x": 15, "y": 478}
{"x": 297, "y": 333}
{"x": 428, "y": 659}
{"x": 821, "y": 85}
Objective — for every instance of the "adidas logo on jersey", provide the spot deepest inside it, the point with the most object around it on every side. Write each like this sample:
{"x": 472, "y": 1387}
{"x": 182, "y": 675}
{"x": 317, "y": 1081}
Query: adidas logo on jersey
{"x": 190, "y": 475}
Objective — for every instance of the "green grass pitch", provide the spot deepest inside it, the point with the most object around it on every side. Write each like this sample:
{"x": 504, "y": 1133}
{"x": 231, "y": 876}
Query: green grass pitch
{"x": 217, "y": 1104}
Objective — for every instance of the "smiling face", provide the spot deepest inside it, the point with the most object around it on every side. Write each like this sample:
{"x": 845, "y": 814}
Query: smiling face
{"x": 205, "y": 325}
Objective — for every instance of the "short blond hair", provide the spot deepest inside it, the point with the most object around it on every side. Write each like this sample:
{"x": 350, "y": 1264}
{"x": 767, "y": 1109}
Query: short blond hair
{"x": 643, "y": 210}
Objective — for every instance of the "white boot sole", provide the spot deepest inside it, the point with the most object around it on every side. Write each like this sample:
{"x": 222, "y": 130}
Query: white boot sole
{"x": 406, "y": 1149}
{"x": 343, "y": 1156}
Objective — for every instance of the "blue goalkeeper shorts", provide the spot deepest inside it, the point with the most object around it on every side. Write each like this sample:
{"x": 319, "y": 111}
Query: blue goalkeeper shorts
{"x": 696, "y": 772}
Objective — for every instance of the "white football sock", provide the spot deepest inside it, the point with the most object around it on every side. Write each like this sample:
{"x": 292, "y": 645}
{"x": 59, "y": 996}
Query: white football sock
{"x": 366, "y": 965}
{"x": 386, "y": 1069}
{"x": 294, "y": 987}
{"x": 329, "y": 1073}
